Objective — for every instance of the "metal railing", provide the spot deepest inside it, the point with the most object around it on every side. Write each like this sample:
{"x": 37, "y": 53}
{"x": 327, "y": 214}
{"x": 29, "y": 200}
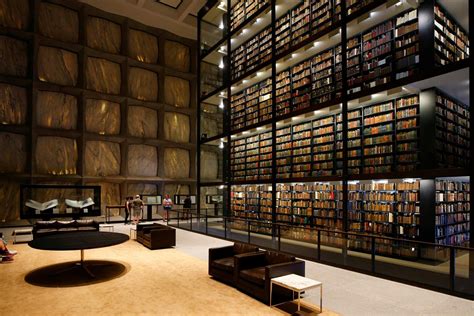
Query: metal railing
{"x": 448, "y": 269}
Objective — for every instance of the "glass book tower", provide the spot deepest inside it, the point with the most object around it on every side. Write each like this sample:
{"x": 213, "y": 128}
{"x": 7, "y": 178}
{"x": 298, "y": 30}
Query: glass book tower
{"x": 347, "y": 117}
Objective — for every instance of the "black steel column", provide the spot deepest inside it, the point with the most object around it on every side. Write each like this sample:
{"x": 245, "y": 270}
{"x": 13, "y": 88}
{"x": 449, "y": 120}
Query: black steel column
{"x": 226, "y": 116}
{"x": 345, "y": 193}
{"x": 426, "y": 36}
{"x": 274, "y": 168}
{"x": 471, "y": 164}
{"x": 198, "y": 117}
{"x": 427, "y": 210}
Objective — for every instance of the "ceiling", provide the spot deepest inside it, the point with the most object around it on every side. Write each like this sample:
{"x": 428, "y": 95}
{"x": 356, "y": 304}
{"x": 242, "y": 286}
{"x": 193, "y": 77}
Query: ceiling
{"x": 179, "y": 16}
{"x": 176, "y": 16}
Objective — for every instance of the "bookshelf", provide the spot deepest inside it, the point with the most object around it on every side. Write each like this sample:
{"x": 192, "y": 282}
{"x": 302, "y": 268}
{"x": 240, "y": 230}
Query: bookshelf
{"x": 310, "y": 204}
{"x": 407, "y": 46}
{"x": 407, "y": 133}
{"x": 452, "y": 132}
{"x": 300, "y": 22}
{"x": 244, "y": 10}
{"x": 252, "y": 105}
{"x": 283, "y": 33}
{"x": 354, "y": 142}
{"x": 326, "y": 76}
{"x": 252, "y": 202}
{"x": 452, "y": 212}
{"x": 388, "y": 132}
{"x": 382, "y": 138}
{"x": 451, "y": 40}
{"x": 283, "y": 93}
{"x": 251, "y": 157}
{"x": 385, "y": 208}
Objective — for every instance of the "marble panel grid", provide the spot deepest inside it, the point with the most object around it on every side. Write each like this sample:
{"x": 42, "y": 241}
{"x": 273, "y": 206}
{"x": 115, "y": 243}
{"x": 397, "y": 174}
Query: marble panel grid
{"x": 56, "y": 110}
{"x": 58, "y": 22}
{"x": 103, "y": 35}
{"x": 14, "y": 57}
{"x": 102, "y": 158}
{"x": 13, "y": 156}
{"x": 13, "y": 104}
{"x": 102, "y": 117}
{"x": 56, "y": 155}
{"x": 57, "y": 65}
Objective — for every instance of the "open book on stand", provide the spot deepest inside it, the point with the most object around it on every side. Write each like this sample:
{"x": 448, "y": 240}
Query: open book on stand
{"x": 41, "y": 206}
{"x": 80, "y": 204}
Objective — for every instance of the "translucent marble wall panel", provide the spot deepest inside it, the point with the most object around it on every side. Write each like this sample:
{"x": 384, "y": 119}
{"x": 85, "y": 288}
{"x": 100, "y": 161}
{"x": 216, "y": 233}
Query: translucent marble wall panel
{"x": 13, "y": 153}
{"x": 142, "y": 122}
{"x": 110, "y": 195}
{"x": 143, "y": 84}
{"x": 173, "y": 189}
{"x": 143, "y": 46}
{"x": 142, "y": 161}
{"x": 58, "y": 22}
{"x": 177, "y": 56}
{"x": 57, "y": 66}
{"x": 103, "y": 35}
{"x": 102, "y": 117}
{"x": 177, "y": 92}
{"x": 13, "y": 104}
{"x": 15, "y": 14}
{"x": 177, "y": 127}
{"x": 103, "y": 75}
{"x": 14, "y": 57}
{"x": 209, "y": 165}
{"x": 176, "y": 163}
{"x": 56, "y": 110}
{"x": 141, "y": 188}
{"x": 9, "y": 199}
{"x": 102, "y": 158}
{"x": 56, "y": 155}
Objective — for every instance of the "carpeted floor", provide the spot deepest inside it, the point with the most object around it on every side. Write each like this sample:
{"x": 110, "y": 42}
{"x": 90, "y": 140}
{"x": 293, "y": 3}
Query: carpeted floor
{"x": 156, "y": 282}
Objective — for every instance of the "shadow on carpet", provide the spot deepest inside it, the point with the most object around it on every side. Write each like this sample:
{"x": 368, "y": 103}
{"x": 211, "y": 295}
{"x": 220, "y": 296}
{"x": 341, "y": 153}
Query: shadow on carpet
{"x": 71, "y": 274}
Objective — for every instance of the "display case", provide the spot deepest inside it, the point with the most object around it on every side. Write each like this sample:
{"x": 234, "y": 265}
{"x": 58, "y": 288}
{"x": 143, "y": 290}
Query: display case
{"x": 43, "y": 201}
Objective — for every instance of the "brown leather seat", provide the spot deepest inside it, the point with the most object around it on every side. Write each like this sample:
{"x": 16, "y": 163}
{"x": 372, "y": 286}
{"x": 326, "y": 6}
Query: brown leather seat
{"x": 255, "y": 275}
{"x": 222, "y": 262}
{"x": 255, "y": 271}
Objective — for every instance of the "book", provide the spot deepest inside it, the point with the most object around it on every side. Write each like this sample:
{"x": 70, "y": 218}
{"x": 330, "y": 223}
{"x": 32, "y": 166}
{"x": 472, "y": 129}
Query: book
{"x": 80, "y": 204}
{"x": 41, "y": 206}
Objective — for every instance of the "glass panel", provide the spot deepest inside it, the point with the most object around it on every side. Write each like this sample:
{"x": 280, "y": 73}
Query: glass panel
{"x": 261, "y": 235}
{"x": 213, "y": 27}
{"x": 359, "y": 252}
{"x": 331, "y": 247}
{"x": 212, "y": 116}
{"x": 237, "y": 230}
{"x": 464, "y": 271}
{"x": 212, "y": 71}
{"x": 213, "y": 200}
{"x": 413, "y": 261}
{"x": 299, "y": 241}
{"x": 212, "y": 160}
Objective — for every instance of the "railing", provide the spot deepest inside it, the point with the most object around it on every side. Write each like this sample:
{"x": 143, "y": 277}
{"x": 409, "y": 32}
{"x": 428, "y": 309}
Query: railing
{"x": 448, "y": 269}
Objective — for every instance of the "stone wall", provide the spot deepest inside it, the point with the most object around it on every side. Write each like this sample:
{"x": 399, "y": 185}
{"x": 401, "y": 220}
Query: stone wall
{"x": 92, "y": 98}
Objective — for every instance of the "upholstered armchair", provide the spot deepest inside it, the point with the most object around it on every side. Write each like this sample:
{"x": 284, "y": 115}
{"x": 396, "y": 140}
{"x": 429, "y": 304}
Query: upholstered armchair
{"x": 221, "y": 261}
{"x": 156, "y": 236}
{"x": 255, "y": 271}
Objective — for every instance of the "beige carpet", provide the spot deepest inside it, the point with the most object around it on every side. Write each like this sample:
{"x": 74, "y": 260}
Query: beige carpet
{"x": 156, "y": 282}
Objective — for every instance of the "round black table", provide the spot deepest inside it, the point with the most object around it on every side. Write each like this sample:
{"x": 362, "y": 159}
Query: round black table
{"x": 78, "y": 241}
